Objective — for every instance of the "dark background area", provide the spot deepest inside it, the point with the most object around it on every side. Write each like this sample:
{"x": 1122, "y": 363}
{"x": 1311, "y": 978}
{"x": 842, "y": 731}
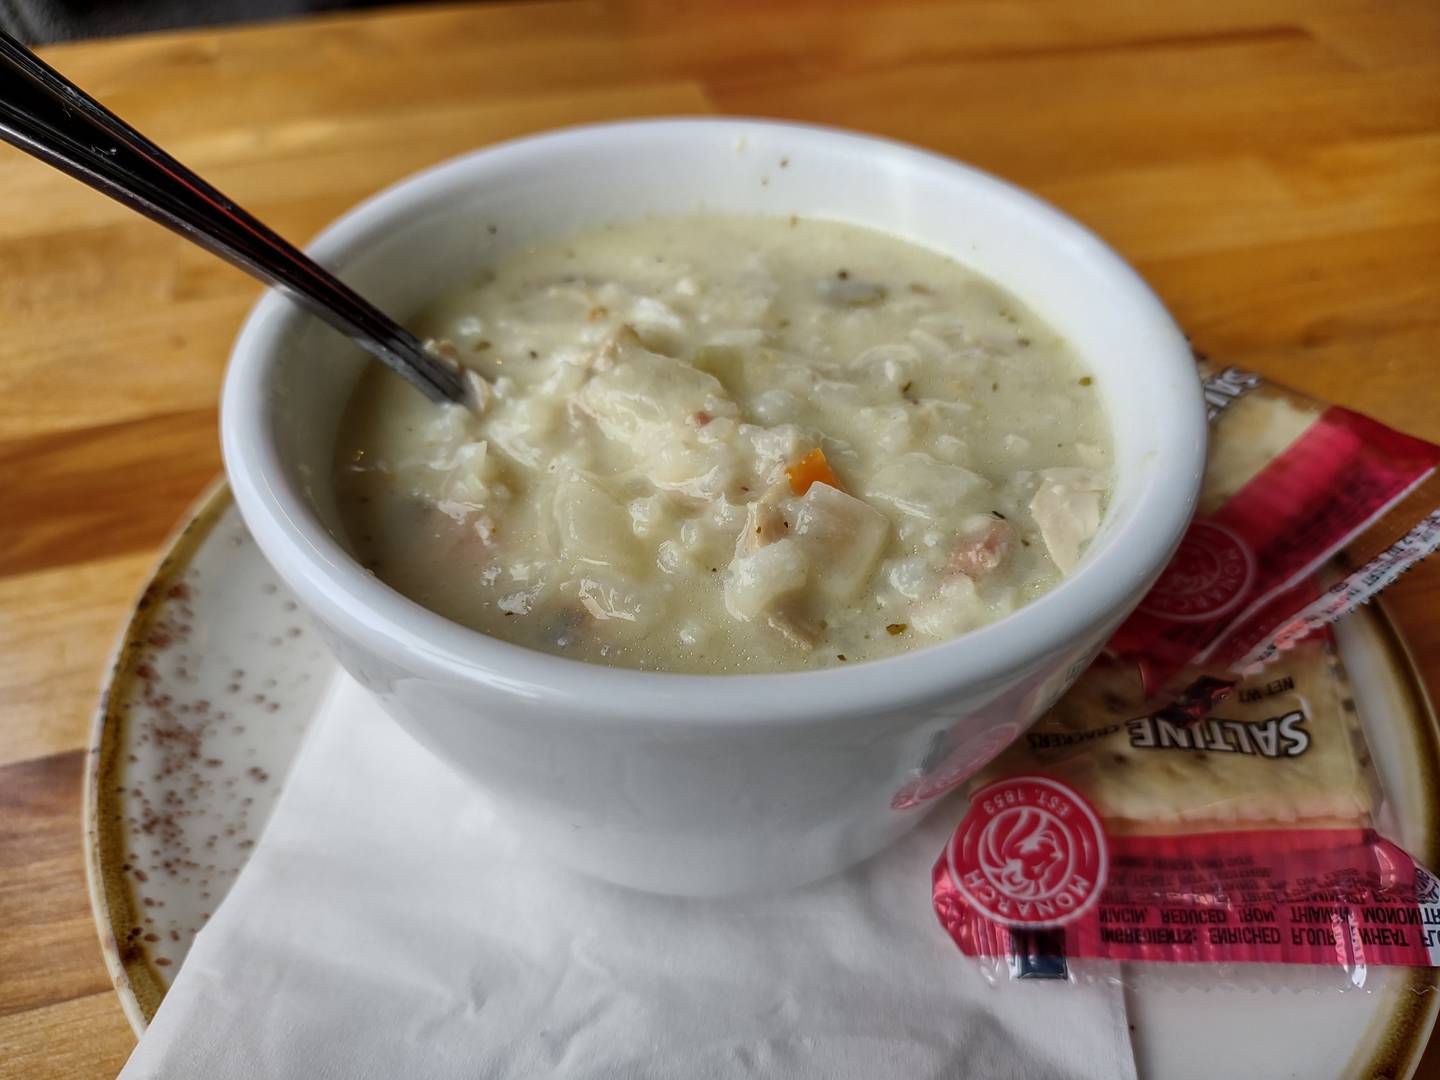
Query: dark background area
{"x": 38, "y": 22}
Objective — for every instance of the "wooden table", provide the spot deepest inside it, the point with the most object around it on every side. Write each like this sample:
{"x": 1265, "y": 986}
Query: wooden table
{"x": 1272, "y": 166}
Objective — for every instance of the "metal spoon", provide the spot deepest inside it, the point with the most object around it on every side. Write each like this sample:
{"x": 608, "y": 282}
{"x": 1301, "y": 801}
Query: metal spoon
{"x": 46, "y": 115}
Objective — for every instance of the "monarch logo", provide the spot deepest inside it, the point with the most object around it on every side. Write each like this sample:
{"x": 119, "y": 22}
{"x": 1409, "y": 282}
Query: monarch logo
{"x": 1030, "y": 852}
{"x": 1210, "y": 573}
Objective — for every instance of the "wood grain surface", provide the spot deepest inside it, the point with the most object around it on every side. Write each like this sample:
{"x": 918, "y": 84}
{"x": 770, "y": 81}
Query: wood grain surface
{"x": 1272, "y": 166}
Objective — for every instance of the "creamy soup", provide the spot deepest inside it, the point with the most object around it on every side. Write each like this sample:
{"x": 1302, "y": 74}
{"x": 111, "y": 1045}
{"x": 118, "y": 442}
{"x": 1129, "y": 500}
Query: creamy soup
{"x": 729, "y": 445}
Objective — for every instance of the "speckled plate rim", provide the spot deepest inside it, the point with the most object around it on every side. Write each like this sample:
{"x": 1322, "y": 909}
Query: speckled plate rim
{"x": 1407, "y": 1028}
{"x": 140, "y": 987}
{"x": 112, "y": 900}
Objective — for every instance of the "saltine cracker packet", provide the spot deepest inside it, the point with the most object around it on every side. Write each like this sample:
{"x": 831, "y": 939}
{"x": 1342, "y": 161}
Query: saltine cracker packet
{"x": 1204, "y": 795}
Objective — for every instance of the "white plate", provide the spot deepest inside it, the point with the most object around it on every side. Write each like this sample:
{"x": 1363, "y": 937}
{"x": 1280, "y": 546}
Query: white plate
{"x": 217, "y": 674}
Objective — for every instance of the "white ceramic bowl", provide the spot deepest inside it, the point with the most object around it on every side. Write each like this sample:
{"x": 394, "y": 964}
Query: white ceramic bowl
{"x": 693, "y": 784}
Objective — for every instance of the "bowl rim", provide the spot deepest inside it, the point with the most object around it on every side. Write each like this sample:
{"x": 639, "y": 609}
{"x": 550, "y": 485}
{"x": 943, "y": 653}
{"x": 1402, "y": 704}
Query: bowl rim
{"x": 348, "y": 597}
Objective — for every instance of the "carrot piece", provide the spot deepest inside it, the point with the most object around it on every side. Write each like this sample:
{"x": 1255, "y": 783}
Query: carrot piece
{"x": 811, "y": 469}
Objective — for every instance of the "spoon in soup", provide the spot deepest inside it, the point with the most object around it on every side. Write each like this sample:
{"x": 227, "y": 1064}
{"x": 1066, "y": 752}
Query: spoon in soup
{"x": 46, "y": 115}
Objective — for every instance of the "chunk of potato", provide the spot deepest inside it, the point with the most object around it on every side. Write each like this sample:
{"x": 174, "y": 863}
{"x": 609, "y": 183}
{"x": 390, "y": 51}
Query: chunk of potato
{"x": 645, "y": 398}
{"x": 918, "y": 485}
{"x": 843, "y": 536}
{"x": 593, "y": 527}
{"x": 648, "y": 403}
{"x": 756, "y": 582}
{"x": 1066, "y": 507}
{"x": 953, "y": 609}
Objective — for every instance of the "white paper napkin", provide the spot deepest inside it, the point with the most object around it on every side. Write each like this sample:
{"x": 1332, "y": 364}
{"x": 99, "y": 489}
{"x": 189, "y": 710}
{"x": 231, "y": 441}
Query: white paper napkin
{"x": 388, "y": 925}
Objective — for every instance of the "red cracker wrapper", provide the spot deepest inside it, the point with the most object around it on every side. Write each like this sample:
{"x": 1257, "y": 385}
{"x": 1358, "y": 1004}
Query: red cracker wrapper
{"x": 1245, "y": 583}
{"x": 1204, "y": 794}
